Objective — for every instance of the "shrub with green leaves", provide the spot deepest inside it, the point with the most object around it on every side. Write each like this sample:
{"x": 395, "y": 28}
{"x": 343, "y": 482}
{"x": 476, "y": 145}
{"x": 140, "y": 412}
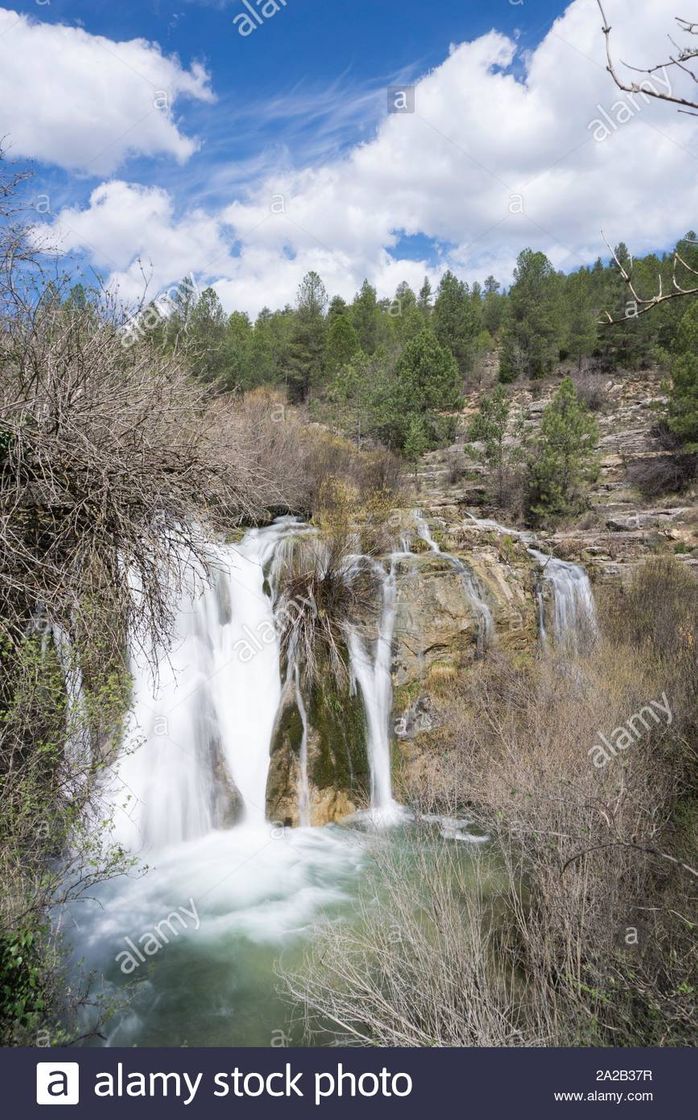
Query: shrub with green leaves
{"x": 683, "y": 403}
{"x": 563, "y": 462}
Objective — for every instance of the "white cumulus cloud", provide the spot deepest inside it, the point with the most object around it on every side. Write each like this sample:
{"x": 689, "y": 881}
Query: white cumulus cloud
{"x": 503, "y": 151}
{"x": 85, "y": 102}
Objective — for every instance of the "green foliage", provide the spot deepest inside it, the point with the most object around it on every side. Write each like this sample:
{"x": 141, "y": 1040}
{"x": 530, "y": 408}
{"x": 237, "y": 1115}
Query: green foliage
{"x": 490, "y": 427}
{"x": 365, "y": 315}
{"x": 683, "y": 403}
{"x": 342, "y": 342}
{"x": 427, "y": 375}
{"x": 582, "y": 319}
{"x": 416, "y": 440}
{"x": 493, "y": 307}
{"x": 426, "y": 382}
{"x": 425, "y": 301}
{"x": 206, "y": 337}
{"x": 533, "y": 329}
{"x": 23, "y": 985}
{"x": 563, "y": 462}
{"x": 454, "y": 321}
{"x": 50, "y": 849}
{"x": 306, "y": 360}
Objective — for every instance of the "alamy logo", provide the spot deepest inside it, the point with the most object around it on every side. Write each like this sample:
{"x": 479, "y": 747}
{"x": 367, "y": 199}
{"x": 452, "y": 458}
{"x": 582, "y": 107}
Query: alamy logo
{"x": 57, "y": 1083}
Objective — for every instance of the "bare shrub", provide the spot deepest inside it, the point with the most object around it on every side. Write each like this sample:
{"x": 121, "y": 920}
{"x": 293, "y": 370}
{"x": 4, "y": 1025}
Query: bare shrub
{"x": 110, "y": 458}
{"x": 426, "y": 965}
{"x": 319, "y": 596}
{"x": 663, "y": 474}
{"x": 591, "y": 389}
{"x": 656, "y": 614}
{"x": 297, "y": 463}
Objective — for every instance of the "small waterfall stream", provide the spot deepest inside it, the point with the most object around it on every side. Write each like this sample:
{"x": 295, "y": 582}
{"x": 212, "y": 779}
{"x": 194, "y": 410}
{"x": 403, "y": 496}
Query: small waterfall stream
{"x": 372, "y": 673}
{"x": 303, "y": 778}
{"x": 472, "y": 590}
{"x": 575, "y": 624}
{"x": 574, "y": 612}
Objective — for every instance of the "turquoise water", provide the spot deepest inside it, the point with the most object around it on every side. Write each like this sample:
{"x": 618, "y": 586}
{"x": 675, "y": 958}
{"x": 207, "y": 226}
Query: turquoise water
{"x": 249, "y": 901}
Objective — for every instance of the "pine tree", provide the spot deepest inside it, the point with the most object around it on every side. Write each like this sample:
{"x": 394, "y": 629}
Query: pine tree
{"x": 405, "y": 316}
{"x": 428, "y": 375}
{"x": 239, "y": 370}
{"x": 424, "y": 301}
{"x": 416, "y": 441}
{"x": 533, "y": 331}
{"x": 206, "y": 333}
{"x": 271, "y": 346}
{"x": 454, "y": 321}
{"x": 490, "y": 427}
{"x": 342, "y": 342}
{"x": 493, "y": 306}
{"x": 582, "y": 320}
{"x": 306, "y": 362}
{"x": 365, "y": 318}
{"x": 564, "y": 462}
{"x": 426, "y": 383}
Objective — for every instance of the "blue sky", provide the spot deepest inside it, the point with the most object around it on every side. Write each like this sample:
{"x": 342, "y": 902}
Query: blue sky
{"x": 506, "y": 103}
{"x": 311, "y": 51}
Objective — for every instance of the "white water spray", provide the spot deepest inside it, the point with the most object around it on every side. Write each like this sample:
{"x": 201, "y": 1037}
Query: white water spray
{"x": 372, "y": 673}
{"x": 207, "y": 715}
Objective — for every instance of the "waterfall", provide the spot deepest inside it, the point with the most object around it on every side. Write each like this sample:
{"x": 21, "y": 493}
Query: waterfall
{"x": 372, "y": 673}
{"x": 574, "y": 610}
{"x": 470, "y": 585}
{"x": 197, "y": 753}
{"x": 303, "y": 782}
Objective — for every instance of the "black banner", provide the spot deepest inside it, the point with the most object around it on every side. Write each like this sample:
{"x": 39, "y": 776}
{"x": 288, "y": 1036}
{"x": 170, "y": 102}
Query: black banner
{"x": 345, "y": 1083}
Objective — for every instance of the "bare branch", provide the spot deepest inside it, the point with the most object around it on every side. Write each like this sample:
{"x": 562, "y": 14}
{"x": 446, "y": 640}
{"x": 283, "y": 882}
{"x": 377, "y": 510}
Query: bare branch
{"x": 643, "y": 304}
{"x": 679, "y": 61}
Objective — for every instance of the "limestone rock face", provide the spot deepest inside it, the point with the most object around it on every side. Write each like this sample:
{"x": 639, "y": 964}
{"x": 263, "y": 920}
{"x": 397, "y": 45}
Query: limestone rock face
{"x": 438, "y": 623}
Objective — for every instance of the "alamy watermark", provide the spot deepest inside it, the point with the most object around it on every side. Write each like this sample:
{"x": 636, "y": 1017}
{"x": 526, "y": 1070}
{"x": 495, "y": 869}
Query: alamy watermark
{"x": 631, "y": 732}
{"x": 625, "y": 108}
{"x": 256, "y": 14}
{"x": 153, "y": 939}
{"x": 185, "y": 293}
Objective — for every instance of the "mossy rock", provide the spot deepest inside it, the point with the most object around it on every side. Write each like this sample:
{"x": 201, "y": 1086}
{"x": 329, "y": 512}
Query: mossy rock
{"x": 340, "y": 760}
{"x": 338, "y": 771}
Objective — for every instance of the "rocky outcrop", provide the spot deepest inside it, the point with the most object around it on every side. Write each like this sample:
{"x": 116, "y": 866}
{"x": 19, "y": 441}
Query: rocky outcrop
{"x": 439, "y": 620}
{"x": 621, "y": 527}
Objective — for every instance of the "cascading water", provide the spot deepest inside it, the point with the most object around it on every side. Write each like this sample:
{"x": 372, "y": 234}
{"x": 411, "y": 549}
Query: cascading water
{"x": 575, "y": 625}
{"x": 206, "y": 716}
{"x": 574, "y": 611}
{"x": 303, "y": 780}
{"x": 473, "y": 592}
{"x": 195, "y": 771}
{"x": 372, "y": 673}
